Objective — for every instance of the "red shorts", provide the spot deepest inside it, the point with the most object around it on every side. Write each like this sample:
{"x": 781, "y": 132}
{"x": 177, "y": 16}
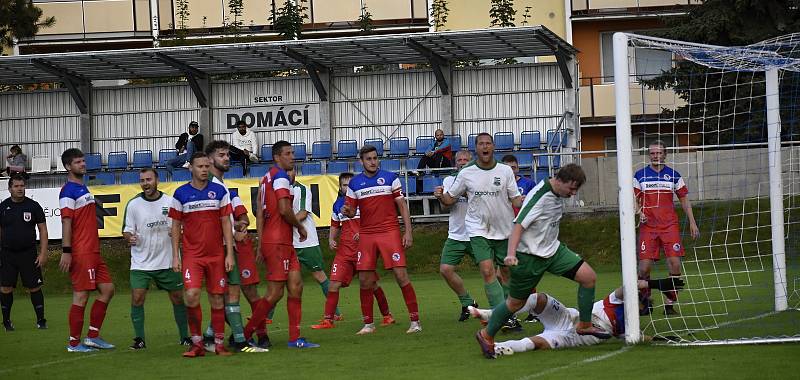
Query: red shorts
{"x": 86, "y": 271}
{"x": 388, "y": 244}
{"x": 246, "y": 260}
{"x": 280, "y": 259}
{"x": 651, "y": 241}
{"x": 195, "y": 269}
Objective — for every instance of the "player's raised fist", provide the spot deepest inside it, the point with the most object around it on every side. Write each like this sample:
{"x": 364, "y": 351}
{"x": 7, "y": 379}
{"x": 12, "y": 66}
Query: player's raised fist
{"x": 438, "y": 191}
{"x": 510, "y": 261}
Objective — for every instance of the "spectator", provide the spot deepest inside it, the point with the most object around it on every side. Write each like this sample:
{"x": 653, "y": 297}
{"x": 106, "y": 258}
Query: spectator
{"x": 16, "y": 161}
{"x": 439, "y": 154}
{"x": 185, "y": 149}
{"x": 244, "y": 144}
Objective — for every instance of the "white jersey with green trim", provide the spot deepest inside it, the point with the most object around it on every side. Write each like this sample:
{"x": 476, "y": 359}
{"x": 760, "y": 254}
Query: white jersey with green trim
{"x": 148, "y": 220}
{"x": 302, "y": 200}
{"x": 457, "y": 228}
{"x": 488, "y": 192}
{"x": 540, "y": 216}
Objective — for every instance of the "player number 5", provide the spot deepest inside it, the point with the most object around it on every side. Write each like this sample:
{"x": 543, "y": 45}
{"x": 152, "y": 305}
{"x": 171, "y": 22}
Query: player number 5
{"x": 333, "y": 268}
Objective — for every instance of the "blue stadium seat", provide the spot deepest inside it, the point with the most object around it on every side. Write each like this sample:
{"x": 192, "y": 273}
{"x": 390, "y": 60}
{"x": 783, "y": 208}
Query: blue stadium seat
{"x": 377, "y": 143}
{"x": 236, "y": 171}
{"x": 530, "y": 140}
{"x": 299, "y": 151}
{"x": 545, "y": 161}
{"x": 165, "y": 155}
{"x": 162, "y": 175}
{"x": 504, "y": 141}
{"x": 398, "y": 147}
{"x": 455, "y": 142}
{"x": 181, "y": 175}
{"x": 525, "y": 159}
{"x": 142, "y": 159}
{"x": 412, "y": 163}
{"x": 100, "y": 178}
{"x": 471, "y": 142}
{"x": 391, "y": 165}
{"x": 129, "y": 176}
{"x": 266, "y": 153}
{"x": 556, "y": 140}
{"x": 117, "y": 161}
{"x": 430, "y": 182}
{"x": 422, "y": 143}
{"x": 257, "y": 170}
{"x": 347, "y": 149}
{"x": 321, "y": 150}
{"x": 311, "y": 168}
{"x": 540, "y": 174}
{"x": 358, "y": 167}
{"x": 94, "y": 161}
{"x": 336, "y": 167}
{"x": 412, "y": 185}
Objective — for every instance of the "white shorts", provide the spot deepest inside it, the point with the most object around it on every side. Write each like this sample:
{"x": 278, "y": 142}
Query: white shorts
{"x": 559, "y": 326}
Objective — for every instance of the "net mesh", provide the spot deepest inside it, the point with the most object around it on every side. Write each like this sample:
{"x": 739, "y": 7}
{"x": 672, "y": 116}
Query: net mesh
{"x": 707, "y": 104}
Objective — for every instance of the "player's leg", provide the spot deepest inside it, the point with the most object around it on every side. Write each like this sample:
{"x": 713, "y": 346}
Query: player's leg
{"x": 264, "y": 306}
{"x": 138, "y": 295}
{"x": 649, "y": 245}
{"x": 6, "y": 301}
{"x": 452, "y": 253}
{"x": 294, "y": 305}
{"x": 311, "y": 260}
{"x": 76, "y": 318}
{"x": 383, "y": 303}
{"x": 193, "y": 275}
{"x": 342, "y": 271}
{"x": 170, "y": 281}
{"x": 367, "y": 280}
{"x": 31, "y": 277}
{"x": 390, "y": 247}
{"x": 216, "y": 298}
{"x": 510, "y": 347}
{"x": 105, "y": 291}
{"x": 582, "y": 273}
{"x": 673, "y": 250}
{"x": 9, "y": 273}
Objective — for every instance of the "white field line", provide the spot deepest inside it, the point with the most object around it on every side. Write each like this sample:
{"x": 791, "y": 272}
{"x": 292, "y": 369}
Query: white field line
{"x": 577, "y": 363}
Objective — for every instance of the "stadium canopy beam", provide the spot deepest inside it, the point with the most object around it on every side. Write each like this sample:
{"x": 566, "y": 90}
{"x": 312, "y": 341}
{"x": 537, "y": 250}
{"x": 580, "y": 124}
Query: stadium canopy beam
{"x": 193, "y": 76}
{"x": 314, "y": 68}
{"x": 561, "y": 58}
{"x": 72, "y": 82}
{"x": 435, "y": 60}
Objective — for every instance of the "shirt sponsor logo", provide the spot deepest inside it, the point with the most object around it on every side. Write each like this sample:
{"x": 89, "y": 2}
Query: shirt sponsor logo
{"x": 194, "y": 206}
{"x": 156, "y": 224}
{"x": 26, "y": 216}
{"x": 486, "y": 193}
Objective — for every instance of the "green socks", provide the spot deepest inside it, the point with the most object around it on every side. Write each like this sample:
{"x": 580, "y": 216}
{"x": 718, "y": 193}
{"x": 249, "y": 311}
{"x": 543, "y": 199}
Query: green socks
{"x": 324, "y": 285}
{"x": 234, "y": 315}
{"x": 137, "y": 318}
{"x": 585, "y": 302}
{"x": 179, "y": 311}
{"x": 466, "y": 300}
{"x": 500, "y": 315}
{"x": 496, "y": 293}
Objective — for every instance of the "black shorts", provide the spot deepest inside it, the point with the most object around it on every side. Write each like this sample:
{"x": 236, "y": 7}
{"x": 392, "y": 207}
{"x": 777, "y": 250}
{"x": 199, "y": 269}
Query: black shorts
{"x": 20, "y": 264}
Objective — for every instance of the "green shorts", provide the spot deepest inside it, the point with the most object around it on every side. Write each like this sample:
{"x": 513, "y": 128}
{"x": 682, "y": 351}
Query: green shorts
{"x": 530, "y": 269}
{"x": 234, "y": 276}
{"x": 454, "y": 251}
{"x": 485, "y": 249}
{"x": 165, "y": 279}
{"x": 310, "y": 258}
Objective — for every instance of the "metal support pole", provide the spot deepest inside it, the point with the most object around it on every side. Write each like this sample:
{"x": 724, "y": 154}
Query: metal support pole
{"x": 776, "y": 190}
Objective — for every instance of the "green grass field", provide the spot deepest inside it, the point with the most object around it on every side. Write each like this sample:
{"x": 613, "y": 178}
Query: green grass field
{"x": 445, "y": 348}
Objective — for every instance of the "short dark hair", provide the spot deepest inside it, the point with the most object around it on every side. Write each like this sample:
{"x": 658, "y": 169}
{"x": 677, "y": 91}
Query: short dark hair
{"x": 214, "y": 145}
{"x": 345, "y": 175}
{"x": 16, "y": 177}
{"x": 510, "y": 158}
{"x": 277, "y": 148}
{"x": 197, "y": 155}
{"x": 194, "y": 124}
{"x": 571, "y": 173}
{"x": 484, "y": 134}
{"x": 15, "y": 148}
{"x": 366, "y": 149}
{"x": 145, "y": 170}
{"x": 69, "y": 155}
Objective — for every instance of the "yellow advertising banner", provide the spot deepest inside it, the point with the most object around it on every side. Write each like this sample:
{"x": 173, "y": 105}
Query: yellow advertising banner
{"x": 324, "y": 189}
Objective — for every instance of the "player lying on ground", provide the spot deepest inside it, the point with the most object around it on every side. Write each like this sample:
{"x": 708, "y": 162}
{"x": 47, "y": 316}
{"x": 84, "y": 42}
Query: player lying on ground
{"x": 560, "y": 322}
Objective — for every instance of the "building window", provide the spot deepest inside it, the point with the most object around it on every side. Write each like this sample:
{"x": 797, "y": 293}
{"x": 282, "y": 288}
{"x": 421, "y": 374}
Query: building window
{"x": 610, "y": 144}
{"x": 644, "y": 63}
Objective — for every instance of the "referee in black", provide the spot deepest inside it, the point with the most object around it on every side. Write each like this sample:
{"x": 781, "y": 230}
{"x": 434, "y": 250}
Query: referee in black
{"x": 19, "y": 216}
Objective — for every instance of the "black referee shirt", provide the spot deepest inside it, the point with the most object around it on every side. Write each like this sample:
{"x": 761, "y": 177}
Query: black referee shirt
{"x": 18, "y": 222}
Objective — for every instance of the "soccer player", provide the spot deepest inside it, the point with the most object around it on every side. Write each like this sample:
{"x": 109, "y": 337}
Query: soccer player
{"x": 491, "y": 191}
{"x": 523, "y": 183}
{"x": 146, "y": 228}
{"x": 376, "y": 193}
{"x": 218, "y": 152}
{"x": 344, "y": 263}
{"x": 659, "y": 228}
{"x": 274, "y": 222}
{"x": 560, "y": 322}
{"x": 534, "y": 249}
{"x": 20, "y": 217}
{"x": 80, "y": 256}
{"x": 204, "y": 208}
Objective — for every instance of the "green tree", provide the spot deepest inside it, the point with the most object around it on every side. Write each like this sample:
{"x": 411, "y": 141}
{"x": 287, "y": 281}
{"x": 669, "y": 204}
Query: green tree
{"x": 365, "y": 21}
{"x": 236, "y": 8}
{"x": 722, "y": 102}
{"x": 183, "y": 17}
{"x": 439, "y": 12}
{"x": 20, "y": 19}
{"x": 526, "y": 15}
{"x": 289, "y": 18}
{"x": 502, "y": 13}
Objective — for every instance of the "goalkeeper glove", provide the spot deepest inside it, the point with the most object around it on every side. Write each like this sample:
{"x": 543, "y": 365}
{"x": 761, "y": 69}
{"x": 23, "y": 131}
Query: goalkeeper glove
{"x": 666, "y": 284}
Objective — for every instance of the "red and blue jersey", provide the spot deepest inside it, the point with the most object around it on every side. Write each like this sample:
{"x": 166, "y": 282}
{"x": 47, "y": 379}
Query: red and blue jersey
{"x": 375, "y": 196}
{"x": 237, "y": 205}
{"x": 275, "y": 185}
{"x": 525, "y": 185}
{"x": 616, "y": 315}
{"x": 200, "y": 211}
{"x": 77, "y": 203}
{"x": 653, "y": 190}
{"x": 349, "y": 226}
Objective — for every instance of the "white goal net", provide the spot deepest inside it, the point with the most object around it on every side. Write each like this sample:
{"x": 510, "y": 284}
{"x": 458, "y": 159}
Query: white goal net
{"x": 729, "y": 120}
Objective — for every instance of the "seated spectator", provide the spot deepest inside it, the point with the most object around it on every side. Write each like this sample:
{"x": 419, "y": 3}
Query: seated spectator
{"x": 439, "y": 154}
{"x": 187, "y": 144}
{"x": 16, "y": 161}
{"x": 244, "y": 144}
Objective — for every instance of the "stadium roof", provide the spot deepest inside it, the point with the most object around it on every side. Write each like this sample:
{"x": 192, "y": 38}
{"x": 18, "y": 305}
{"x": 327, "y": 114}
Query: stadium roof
{"x": 437, "y": 49}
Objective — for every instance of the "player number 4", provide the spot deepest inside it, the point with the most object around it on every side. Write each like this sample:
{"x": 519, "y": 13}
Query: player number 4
{"x": 187, "y": 275}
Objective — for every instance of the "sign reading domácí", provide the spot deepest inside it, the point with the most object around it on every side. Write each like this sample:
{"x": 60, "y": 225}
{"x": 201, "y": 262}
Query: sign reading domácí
{"x": 291, "y": 116}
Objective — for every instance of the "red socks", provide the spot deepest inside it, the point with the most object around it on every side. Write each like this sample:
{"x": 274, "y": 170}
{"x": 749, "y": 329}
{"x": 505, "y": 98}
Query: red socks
{"x": 195, "y": 319}
{"x": 218, "y": 324}
{"x": 261, "y": 329}
{"x": 75, "y": 324}
{"x": 96, "y": 317}
{"x": 330, "y": 304}
{"x": 258, "y": 319}
{"x": 383, "y": 303}
{"x": 411, "y": 301}
{"x": 366, "y": 304}
{"x": 294, "y": 307}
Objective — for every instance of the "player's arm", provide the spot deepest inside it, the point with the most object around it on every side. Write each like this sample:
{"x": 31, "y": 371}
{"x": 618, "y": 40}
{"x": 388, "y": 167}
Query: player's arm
{"x": 66, "y": 244}
{"x": 41, "y": 260}
{"x": 227, "y": 234}
{"x": 402, "y": 206}
{"x": 450, "y": 197}
{"x": 333, "y": 235}
{"x": 513, "y": 243}
{"x": 287, "y": 213}
{"x": 517, "y": 201}
{"x": 687, "y": 209}
{"x": 175, "y": 235}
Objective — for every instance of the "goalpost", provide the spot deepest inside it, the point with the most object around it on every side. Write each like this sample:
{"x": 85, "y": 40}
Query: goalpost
{"x": 719, "y": 110}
